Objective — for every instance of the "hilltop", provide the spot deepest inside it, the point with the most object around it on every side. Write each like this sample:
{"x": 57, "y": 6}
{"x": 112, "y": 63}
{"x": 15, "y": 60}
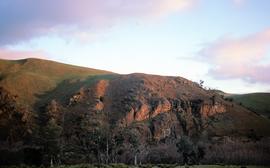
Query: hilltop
{"x": 29, "y": 78}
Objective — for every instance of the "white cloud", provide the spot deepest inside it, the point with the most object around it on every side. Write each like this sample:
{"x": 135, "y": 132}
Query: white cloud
{"x": 240, "y": 58}
{"x": 24, "y": 19}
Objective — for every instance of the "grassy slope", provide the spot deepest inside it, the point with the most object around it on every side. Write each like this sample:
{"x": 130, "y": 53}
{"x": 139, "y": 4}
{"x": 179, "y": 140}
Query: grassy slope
{"x": 240, "y": 121}
{"x": 30, "y": 78}
{"x": 257, "y": 102}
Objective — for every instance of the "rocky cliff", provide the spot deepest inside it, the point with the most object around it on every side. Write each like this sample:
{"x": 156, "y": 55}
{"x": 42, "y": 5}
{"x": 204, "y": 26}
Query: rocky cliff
{"x": 147, "y": 115}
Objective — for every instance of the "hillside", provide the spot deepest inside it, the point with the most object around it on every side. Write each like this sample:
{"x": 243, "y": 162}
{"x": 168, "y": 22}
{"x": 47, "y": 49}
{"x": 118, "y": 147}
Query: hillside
{"x": 257, "y": 102}
{"x": 67, "y": 114}
{"x": 29, "y": 78}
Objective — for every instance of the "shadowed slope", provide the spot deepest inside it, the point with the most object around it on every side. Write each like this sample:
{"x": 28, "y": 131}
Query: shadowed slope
{"x": 257, "y": 102}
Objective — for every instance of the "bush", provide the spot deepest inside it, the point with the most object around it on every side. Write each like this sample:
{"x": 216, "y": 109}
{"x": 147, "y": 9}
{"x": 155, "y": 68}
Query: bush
{"x": 229, "y": 99}
{"x": 192, "y": 153}
{"x": 237, "y": 152}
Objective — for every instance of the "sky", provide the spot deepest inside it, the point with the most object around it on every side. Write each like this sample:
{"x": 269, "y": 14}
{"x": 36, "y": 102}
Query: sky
{"x": 225, "y": 43}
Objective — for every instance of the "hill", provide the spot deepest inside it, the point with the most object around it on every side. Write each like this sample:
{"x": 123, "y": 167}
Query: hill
{"x": 257, "y": 102}
{"x": 57, "y": 113}
{"x": 29, "y": 78}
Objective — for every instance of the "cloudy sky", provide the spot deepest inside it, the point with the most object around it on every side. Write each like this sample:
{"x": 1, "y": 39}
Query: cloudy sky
{"x": 226, "y": 43}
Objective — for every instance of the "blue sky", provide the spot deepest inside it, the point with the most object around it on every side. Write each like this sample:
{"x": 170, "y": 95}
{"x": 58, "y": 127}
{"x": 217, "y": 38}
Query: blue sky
{"x": 226, "y": 43}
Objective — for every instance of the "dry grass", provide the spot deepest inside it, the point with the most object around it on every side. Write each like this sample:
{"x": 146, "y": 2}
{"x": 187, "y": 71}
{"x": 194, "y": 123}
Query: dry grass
{"x": 31, "y": 77}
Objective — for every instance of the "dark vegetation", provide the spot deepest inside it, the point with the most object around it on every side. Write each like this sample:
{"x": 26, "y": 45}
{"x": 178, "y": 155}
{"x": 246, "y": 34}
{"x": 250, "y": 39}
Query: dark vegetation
{"x": 121, "y": 165}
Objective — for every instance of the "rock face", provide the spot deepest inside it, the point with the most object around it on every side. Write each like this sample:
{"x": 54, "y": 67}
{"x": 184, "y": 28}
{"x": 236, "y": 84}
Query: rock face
{"x": 113, "y": 120}
{"x": 208, "y": 110}
{"x": 144, "y": 110}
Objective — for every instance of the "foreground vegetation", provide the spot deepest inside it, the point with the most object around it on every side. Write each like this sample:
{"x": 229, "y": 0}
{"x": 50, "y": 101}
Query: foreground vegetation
{"x": 143, "y": 166}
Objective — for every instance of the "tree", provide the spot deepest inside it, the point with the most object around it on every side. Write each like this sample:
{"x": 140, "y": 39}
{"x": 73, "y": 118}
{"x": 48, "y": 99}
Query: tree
{"x": 201, "y": 83}
{"x": 192, "y": 153}
{"x": 134, "y": 141}
{"x": 52, "y": 133}
{"x": 213, "y": 99}
{"x": 15, "y": 120}
{"x": 118, "y": 141}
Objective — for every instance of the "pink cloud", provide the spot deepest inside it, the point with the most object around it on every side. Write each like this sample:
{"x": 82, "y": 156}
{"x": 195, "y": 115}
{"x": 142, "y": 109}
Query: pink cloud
{"x": 24, "y": 19}
{"x": 239, "y": 2}
{"x": 244, "y": 58}
{"x": 14, "y": 55}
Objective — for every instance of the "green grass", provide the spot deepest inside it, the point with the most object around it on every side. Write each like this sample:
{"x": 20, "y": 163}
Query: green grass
{"x": 257, "y": 102}
{"x": 31, "y": 78}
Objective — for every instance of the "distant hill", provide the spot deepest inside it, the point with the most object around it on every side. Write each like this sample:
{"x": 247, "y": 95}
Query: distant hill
{"x": 257, "y": 102}
{"x": 57, "y": 113}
